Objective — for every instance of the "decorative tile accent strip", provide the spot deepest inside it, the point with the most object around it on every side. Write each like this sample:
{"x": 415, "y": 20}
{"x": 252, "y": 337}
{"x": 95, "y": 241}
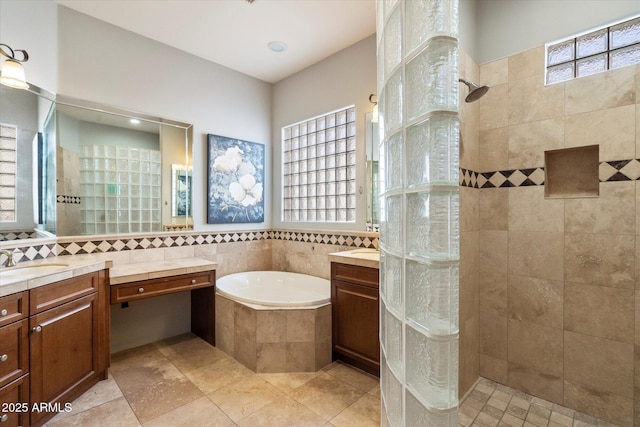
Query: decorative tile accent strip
{"x": 610, "y": 171}
{"x": 75, "y": 200}
{"x": 15, "y": 235}
{"x": 30, "y": 253}
{"x": 620, "y": 170}
{"x": 116, "y": 244}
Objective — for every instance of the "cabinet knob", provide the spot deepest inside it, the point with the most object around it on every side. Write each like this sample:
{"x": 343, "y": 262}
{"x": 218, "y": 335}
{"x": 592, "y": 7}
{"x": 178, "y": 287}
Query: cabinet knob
{"x": 37, "y": 329}
{"x": 140, "y": 290}
{"x": 193, "y": 281}
{"x": 4, "y": 418}
{"x": 4, "y": 358}
{"x": 3, "y": 312}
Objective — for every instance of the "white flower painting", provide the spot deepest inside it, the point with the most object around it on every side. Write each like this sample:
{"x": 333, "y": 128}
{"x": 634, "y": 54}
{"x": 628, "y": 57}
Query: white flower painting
{"x": 235, "y": 181}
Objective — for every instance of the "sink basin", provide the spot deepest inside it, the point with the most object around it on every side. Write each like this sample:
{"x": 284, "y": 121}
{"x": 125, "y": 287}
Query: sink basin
{"x": 371, "y": 254}
{"x": 365, "y": 251}
{"x": 30, "y": 271}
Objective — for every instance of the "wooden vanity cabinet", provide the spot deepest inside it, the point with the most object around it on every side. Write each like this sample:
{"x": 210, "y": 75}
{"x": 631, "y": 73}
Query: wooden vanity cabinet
{"x": 56, "y": 347}
{"x": 355, "y": 316}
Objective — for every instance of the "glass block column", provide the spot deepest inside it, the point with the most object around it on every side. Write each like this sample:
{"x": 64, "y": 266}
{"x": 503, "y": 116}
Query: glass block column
{"x": 419, "y": 225}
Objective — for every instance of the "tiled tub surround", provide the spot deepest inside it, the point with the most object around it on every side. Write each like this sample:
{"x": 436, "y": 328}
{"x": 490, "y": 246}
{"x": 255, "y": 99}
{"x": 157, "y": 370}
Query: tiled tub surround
{"x": 558, "y": 305}
{"x": 270, "y": 339}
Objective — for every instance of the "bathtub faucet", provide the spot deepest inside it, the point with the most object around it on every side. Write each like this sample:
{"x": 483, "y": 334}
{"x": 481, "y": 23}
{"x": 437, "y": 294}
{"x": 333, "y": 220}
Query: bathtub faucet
{"x": 9, "y": 255}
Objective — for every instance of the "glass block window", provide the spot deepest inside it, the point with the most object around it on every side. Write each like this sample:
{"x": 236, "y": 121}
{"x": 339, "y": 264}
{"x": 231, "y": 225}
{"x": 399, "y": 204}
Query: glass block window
{"x": 8, "y": 172}
{"x": 604, "y": 49}
{"x": 319, "y": 168}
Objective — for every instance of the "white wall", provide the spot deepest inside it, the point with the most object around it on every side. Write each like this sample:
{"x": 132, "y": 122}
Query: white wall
{"x": 505, "y": 27}
{"x": 467, "y": 38}
{"x": 102, "y": 63}
{"x": 345, "y": 78}
{"x": 31, "y": 25}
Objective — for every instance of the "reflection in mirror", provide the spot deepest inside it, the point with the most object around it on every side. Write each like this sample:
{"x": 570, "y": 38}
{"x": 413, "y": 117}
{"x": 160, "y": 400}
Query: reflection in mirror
{"x": 27, "y": 163}
{"x": 180, "y": 185}
{"x": 373, "y": 157}
{"x": 115, "y": 171}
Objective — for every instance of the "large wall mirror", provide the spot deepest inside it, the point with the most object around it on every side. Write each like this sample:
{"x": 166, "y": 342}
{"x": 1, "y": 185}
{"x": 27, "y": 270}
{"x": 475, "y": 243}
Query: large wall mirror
{"x": 70, "y": 168}
{"x": 373, "y": 159}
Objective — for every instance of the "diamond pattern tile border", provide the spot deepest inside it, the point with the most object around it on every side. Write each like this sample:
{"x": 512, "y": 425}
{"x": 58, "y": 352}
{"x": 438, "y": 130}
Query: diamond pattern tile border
{"x": 610, "y": 171}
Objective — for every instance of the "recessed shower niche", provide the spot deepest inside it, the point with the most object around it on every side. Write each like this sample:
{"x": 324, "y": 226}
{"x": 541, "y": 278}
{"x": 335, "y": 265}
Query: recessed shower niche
{"x": 572, "y": 172}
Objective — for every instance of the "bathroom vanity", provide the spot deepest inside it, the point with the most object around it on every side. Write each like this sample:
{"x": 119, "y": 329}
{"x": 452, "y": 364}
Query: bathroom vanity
{"x": 54, "y": 339}
{"x": 355, "y": 306}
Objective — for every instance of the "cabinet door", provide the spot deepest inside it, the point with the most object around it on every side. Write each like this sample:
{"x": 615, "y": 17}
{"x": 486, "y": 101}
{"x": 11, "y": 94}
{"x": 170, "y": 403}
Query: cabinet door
{"x": 356, "y": 324}
{"x": 64, "y": 351}
{"x": 14, "y": 403}
{"x": 14, "y": 351}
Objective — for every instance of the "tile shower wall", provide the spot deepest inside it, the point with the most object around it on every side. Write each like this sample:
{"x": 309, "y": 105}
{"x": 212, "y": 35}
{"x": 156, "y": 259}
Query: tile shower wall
{"x": 558, "y": 303}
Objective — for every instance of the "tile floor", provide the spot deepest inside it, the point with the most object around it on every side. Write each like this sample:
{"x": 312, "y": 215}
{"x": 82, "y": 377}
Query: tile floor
{"x": 183, "y": 381}
{"x": 491, "y": 404}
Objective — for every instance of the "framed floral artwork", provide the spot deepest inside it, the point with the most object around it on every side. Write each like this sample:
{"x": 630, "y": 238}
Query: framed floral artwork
{"x": 235, "y": 181}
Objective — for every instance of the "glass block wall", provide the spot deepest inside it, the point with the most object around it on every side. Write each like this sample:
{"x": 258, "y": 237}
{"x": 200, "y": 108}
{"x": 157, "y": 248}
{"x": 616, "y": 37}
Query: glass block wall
{"x": 419, "y": 234}
{"x": 121, "y": 189}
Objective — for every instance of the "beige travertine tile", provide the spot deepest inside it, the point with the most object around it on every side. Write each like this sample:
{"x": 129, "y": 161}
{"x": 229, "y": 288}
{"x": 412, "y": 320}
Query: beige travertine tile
{"x": 326, "y": 395}
{"x": 529, "y": 141}
{"x": 493, "y": 368}
{"x": 600, "y": 311}
{"x": 495, "y": 72}
{"x": 289, "y": 382}
{"x": 162, "y": 397}
{"x": 530, "y": 211}
{"x": 493, "y": 336}
{"x": 200, "y": 412}
{"x": 493, "y": 272}
{"x": 469, "y": 274}
{"x": 206, "y": 252}
{"x": 271, "y": 326}
{"x": 601, "y": 364}
{"x": 613, "y": 212}
{"x": 536, "y": 254}
{"x": 532, "y": 381}
{"x": 494, "y": 149}
{"x": 638, "y": 197}
{"x": 103, "y": 392}
{"x": 613, "y": 129}
{"x": 192, "y": 353}
{"x": 530, "y": 100}
{"x": 495, "y": 108}
{"x": 225, "y": 339}
{"x": 245, "y": 322}
{"x": 600, "y": 259}
{"x": 301, "y": 357}
{"x": 612, "y": 89}
{"x": 536, "y": 346}
{"x": 245, "y": 351}
{"x": 354, "y": 377}
{"x": 364, "y": 412}
{"x": 469, "y": 344}
{"x": 323, "y": 322}
{"x": 469, "y": 217}
{"x": 271, "y": 357}
{"x": 100, "y": 416}
{"x": 222, "y": 373}
{"x": 178, "y": 252}
{"x": 283, "y": 412}
{"x": 300, "y": 325}
{"x": 529, "y": 63}
{"x": 245, "y": 397}
{"x": 493, "y": 208}
{"x": 323, "y": 353}
{"x": 536, "y": 300}
{"x": 467, "y": 376}
{"x": 143, "y": 371}
{"x": 637, "y": 156}
{"x": 608, "y": 406}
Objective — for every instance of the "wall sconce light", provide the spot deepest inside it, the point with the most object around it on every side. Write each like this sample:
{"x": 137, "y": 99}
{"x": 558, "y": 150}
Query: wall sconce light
{"x": 12, "y": 73}
{"x": 374, "y": 117}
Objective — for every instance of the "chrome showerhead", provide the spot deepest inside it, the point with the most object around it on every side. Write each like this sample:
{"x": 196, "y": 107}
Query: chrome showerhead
{"x": 475, "y": 92}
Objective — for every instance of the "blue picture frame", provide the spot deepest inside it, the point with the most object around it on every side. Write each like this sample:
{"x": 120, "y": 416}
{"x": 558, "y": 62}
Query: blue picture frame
{"x": 235, "y": 181}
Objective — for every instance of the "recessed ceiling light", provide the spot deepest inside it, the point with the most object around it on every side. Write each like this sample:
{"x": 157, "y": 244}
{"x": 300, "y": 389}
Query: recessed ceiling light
{"x": 134, "y": 121}
{"x": 277, "y": 46}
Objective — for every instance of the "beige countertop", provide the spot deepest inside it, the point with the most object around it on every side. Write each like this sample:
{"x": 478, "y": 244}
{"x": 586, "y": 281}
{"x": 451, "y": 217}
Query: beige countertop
{"x": 32, "y": 274}
{"x": 157, "y": 269}
{"x": 360, "y": 257}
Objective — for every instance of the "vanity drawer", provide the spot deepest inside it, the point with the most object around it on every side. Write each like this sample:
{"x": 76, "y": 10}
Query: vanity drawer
{"x": 14, "y": 397}
{"x": 14, "y": 351}
{"x": 14, "y": 307}
{"x": 355, "y": 274}
{"x": 46, "y": 297}
{"x": 154, "y": 287}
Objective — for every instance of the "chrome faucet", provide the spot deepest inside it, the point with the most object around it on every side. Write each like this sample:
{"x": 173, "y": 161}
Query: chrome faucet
{"x": 9, "y": 254}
